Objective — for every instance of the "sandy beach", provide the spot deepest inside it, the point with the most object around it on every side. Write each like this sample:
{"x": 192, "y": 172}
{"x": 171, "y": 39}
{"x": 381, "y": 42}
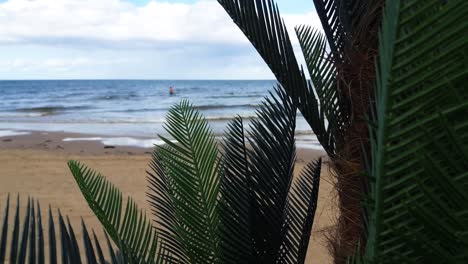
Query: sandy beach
{"x": 35, "y": 165}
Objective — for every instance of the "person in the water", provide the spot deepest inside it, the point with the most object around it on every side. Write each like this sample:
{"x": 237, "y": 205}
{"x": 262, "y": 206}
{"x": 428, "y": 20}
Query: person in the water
{"x": 171, "y": 90}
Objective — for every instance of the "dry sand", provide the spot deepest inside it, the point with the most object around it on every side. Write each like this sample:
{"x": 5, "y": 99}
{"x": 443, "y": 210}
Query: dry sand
{"x": 35, "y": 165}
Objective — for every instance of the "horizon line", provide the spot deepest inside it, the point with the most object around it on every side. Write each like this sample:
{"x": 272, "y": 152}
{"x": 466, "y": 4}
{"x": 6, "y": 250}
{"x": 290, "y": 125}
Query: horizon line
{"x": 134, "y": 79}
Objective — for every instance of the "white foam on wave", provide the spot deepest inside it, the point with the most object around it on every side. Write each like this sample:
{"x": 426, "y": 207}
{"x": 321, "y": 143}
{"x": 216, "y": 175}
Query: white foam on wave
{"x": 307, "y": 140}
{"x": 83, "y": 139}
{"x": 16, "y": 115}
{"x": 308, "y": 145}
{"x": 9, "y": 133}
{"x": 121, "y": 141}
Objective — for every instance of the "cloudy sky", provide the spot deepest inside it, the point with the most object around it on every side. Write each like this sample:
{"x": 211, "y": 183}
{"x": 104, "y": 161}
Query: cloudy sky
{"x": 131, "y": 39}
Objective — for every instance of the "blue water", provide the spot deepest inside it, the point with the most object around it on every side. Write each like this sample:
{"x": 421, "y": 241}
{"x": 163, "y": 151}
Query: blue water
{"x": 124, "y": 107}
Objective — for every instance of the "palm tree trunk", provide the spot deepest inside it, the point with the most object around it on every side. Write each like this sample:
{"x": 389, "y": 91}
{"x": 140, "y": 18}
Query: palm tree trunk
{"x": 356, "y": 79}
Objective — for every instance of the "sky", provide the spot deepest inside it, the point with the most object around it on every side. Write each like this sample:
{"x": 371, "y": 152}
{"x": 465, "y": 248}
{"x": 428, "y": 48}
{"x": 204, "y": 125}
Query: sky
{"x": 132, "y": 39}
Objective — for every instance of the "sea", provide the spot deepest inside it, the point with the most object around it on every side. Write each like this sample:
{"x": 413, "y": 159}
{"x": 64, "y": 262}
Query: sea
{"x": 129, "y": 112}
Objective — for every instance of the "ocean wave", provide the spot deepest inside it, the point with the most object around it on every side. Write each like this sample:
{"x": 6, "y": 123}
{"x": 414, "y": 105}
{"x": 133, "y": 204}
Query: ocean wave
{"x": 233, "y": 95}
{"x": 50, "y": 110}
{"x": 122, "y": 141}
{"x": 304, "y": 132}
{"x": 9, "y": 133}
{"x": 196, "y": 88}
{"x": 112, "y": 121}
{"x": 306, "y": 145}
{"x": 114, "y": 97}
{"x": 4, "y": 116}
{"x": 229, "y": 118}
{"x": 149, "y": 143}
{"x": 198, "y": 107}
{"x": 215, "y": 107}
{"x": 141, "y": 110}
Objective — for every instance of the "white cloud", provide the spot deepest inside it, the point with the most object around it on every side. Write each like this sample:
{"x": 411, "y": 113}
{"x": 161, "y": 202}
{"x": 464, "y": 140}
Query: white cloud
{"x": 50, "y": 21}
{"x": 55, "y": 64}
{"x": 115, "y": 39}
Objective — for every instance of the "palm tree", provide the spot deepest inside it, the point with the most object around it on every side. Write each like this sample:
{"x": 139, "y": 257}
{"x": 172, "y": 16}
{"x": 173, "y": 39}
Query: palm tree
{"x": 234, "y": 205}
{"x": 129, "y": 228}
{"x": 419, "y": 160}
{"x": 248, "y": 210}
{"x": 237, "y": 202}
{"x": 344, "y": 81}
{"x": 29, "y": 241}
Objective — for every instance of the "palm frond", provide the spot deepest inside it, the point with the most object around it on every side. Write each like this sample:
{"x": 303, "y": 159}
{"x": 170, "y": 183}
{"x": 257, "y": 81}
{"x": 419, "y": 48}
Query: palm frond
{"x": 323, "y": 74}
{"x": 184, "y": 187}
{"x": 262, "y": 221}
{"x": 238, "y": 203}
{"x": 3, "y": 240}
{"x": 347, "y": 21}
{"x": 272, "y": 162}
{"x": 302, "y": 204}
{"x": 335, "y": 23}
{"x": 131, "y": 230}
{"x": 30, "y": 245}
{"x": 90, "y": 258}
{"x": 261, "y": 22}
{"x": 420, "y": 146}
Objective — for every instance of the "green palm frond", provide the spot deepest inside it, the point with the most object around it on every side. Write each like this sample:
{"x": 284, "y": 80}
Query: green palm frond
{"x": 238, "y": 204}
{"x": 335, "y": 22}
{"x": 131, "y": 230}
{"x": 302, "y": 204}
{"x": 27, "y": 242}
{"x": 344, "y": 20}
{"x": 261, "y": 22}
{"x": 263, "y": 218}
{"x": 184, "y": 187}
{"x": 420, "y": 146}
{"x": 323, "y": 73}
{"x": 272, "y": 162}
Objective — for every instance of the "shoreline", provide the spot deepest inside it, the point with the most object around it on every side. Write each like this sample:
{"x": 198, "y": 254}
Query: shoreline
{"x": 35, "y": 165}
{"x": 79, "y": 143}
{"x": 54, "y": 142}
